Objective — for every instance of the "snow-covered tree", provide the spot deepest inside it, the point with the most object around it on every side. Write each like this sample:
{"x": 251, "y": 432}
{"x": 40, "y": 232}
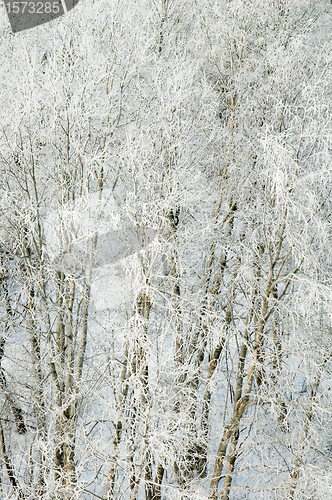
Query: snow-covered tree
{"x": 165, "y": 252}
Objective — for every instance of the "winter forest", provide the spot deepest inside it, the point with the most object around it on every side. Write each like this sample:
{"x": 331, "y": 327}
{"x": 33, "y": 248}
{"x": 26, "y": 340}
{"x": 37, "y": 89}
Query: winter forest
{"x": 197, "y": 366}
